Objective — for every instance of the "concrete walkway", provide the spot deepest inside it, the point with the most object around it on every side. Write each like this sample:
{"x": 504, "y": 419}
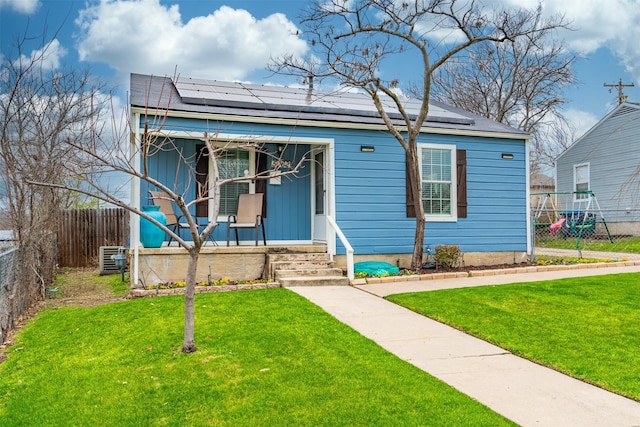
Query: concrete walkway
{"x": 522, "y": 391}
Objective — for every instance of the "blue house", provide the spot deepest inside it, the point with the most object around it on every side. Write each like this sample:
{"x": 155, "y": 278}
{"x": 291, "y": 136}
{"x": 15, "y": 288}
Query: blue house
{"x": 351, "y": 189}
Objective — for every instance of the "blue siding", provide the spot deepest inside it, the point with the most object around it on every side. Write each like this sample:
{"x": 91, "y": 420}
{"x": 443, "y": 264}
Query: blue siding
{"x": 370, "y": 195}
{"x": 370, "y": 191}
{"x": 283, "y": 221}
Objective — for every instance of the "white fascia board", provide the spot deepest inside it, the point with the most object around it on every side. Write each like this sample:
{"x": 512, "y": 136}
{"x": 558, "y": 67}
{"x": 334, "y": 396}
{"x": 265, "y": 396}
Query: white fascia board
{"x": 234, "y": 137}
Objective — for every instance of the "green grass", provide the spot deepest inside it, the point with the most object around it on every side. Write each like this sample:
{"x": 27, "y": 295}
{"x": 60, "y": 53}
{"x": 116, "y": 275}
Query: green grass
{"x": 265, "y": 357}
{"x": 602, "y": 243}
{"x": 587, "y": 327}
{"x": 119, "y": 286}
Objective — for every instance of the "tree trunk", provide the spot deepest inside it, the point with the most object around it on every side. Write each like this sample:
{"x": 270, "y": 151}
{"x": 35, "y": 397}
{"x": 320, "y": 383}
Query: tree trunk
{"x": 189, "y": 345}
{"x": 416, "y": 188}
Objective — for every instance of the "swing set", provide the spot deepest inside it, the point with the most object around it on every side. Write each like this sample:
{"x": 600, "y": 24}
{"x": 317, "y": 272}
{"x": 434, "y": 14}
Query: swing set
{"x": 570, "y": 214}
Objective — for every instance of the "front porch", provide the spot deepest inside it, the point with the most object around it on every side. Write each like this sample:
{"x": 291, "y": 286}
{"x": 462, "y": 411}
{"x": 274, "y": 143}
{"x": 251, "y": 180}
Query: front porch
{"x": 169, "y": 263}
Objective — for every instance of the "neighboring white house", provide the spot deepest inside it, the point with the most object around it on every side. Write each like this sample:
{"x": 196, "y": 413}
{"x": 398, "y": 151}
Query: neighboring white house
{"x": 606, "y": 161}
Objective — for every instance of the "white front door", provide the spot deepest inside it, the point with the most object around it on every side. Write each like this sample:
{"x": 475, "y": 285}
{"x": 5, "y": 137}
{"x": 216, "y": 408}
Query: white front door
{"x": 319, "y": 195}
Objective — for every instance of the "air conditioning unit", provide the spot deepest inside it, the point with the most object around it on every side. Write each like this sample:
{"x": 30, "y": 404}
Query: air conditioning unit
{"x": 107, "y": 264}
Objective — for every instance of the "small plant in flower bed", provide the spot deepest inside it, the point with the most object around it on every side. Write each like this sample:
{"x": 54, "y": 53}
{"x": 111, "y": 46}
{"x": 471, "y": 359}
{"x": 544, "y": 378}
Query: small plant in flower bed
{"x": 402, "y": 272}
{"x": 447, "y": 256}
{"x": 219, "y": 282}
{"x": 553, "y": 260}
{"x": 408, "y": 272}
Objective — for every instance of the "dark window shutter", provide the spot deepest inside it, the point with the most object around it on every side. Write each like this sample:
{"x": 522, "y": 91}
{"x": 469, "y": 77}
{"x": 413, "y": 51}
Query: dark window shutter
{"x": 461, "y": 169}
{"x": 202, "y": 175}
{"x": 411, "y": 210}
{"x": 261, "y": 184}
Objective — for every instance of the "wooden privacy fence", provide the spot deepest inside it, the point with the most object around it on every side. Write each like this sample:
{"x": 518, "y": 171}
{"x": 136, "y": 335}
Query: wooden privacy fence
{"x": 81, "y": 232}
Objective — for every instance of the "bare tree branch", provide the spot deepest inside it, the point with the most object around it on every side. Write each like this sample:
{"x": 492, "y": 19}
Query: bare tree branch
{"x": 353, "y": 40}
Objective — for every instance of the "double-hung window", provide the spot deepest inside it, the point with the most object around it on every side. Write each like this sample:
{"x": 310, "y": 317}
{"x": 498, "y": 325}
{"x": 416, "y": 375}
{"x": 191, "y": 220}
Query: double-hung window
{"x": 581, "y": 180}
{"x": 234, "y": 164}
{"x": 438, "y": 180}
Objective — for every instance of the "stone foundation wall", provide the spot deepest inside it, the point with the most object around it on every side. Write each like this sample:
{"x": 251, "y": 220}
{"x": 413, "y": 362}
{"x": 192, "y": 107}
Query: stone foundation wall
{"x": 248, "y": 263}
{"x": 170, "y": 264}
{"x": 468, "y": 259}
{"x": 624, "y": 228}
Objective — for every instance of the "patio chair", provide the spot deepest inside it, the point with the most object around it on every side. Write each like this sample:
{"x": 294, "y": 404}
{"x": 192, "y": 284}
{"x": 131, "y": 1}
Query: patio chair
{"x": 162, "y": 199}
{"x": 249, "y": 216}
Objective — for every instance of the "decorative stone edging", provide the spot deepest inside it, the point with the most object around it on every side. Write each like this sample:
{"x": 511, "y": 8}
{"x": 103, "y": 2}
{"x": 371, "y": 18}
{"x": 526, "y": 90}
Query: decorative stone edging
{"x": 146, "y": 293}
{"x": 489, "y": 272}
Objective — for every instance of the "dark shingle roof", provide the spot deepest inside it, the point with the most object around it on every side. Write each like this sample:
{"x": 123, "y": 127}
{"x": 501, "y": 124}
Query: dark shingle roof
{"x": 242, "y": 99}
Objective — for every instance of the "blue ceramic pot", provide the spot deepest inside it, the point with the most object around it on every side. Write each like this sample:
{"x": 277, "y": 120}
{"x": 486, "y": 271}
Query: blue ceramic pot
{"x": 152, "y": 236}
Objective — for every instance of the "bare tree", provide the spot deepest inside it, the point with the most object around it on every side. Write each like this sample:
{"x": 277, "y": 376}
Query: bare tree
{"x": 518, "y": 82}
{"x": 353, "y": 40}
{"x": 107, "y": 155}
{"x": 41, "y": 108}
{"x": 548, "y": 141}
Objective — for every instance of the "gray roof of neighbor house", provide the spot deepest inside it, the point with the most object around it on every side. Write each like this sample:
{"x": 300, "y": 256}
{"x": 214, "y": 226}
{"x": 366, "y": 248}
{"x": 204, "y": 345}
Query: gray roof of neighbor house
{"x": 241, "y": 99}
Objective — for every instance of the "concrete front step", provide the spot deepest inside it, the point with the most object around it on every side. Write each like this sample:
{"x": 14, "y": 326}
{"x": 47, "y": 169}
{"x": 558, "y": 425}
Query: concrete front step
{"x": 314, "y": 281}
{"x": 315, "y": 256}
{"x": 304, "y": 269}
{"x": 300, "y": 265}
{"x": 308, "y": 271}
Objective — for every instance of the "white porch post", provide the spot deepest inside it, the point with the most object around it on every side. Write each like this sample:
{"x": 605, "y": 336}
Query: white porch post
{"x": 134, "y": 199}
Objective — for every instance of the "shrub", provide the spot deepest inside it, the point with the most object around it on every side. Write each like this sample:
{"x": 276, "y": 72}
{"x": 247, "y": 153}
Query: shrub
{"x": 447, "y": 256}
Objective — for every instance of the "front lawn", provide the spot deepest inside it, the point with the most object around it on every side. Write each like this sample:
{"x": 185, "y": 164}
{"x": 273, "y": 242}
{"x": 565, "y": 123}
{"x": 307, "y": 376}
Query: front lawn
{"x": 265, "y": 357}
{"x": 588, "y": 327}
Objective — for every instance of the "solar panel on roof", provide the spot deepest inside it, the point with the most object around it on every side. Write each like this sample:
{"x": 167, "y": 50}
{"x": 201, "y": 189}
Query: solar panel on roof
{"x": 244, "y": 95}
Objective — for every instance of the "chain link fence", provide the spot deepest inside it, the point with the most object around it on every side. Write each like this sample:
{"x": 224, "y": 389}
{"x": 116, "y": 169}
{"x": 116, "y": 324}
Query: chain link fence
{"x": 593, "y": 233}
{"x": 13, "y": 296}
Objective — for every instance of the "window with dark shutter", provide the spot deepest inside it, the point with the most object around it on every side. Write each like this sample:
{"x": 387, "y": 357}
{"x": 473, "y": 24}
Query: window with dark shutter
{"x": 461, "y": 190}
{"x": 411, "y": 210}
{"x": 231, "y": 164}
{"x": 461, "y": 170}
{"x": 261, "y": 184}
{"x": 202, "y": 175}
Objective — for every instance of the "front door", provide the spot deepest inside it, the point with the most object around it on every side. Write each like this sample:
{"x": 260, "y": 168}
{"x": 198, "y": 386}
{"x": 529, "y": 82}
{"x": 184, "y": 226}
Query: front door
{"x": 319, "y": 192}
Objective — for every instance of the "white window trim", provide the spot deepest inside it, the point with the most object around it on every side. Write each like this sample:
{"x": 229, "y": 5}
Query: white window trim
{"x": 453, "y": 217}
{"x": 575, "y": 183}
{"x": 252, "y": 183}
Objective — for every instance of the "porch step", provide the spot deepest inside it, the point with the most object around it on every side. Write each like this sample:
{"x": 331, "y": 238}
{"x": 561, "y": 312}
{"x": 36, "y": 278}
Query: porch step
{"x": 305, "y": 257}
{"x": 309, "y": 272}
{"x": 301, "y": 265}
{"x": 304, "y": 269}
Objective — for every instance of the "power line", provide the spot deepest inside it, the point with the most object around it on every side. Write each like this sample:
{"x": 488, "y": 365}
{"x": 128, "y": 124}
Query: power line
{"x": 621, "y": 96}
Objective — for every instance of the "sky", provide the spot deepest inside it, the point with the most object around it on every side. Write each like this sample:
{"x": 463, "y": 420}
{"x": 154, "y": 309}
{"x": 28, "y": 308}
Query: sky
{"x": 234, "y": 40}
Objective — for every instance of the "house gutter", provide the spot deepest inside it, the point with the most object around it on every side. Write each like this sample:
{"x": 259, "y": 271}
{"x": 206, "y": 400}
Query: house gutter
{"x": 322, "y": 124}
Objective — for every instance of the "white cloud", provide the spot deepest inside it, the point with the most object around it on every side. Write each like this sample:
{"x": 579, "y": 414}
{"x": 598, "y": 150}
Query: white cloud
{"x": 21, "y": 6}
{"x": 145, "y": 36}
{"x": 48, "y": 57}
{"x": 614, "y": 24}
{"x": 580, "y": 121}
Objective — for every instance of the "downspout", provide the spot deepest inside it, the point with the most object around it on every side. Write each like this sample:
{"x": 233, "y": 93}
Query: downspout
{"x": 528, "y": 193}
